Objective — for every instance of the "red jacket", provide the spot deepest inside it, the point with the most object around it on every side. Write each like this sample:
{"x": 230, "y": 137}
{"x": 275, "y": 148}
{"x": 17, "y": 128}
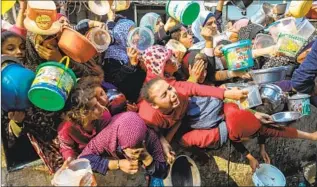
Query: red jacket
{"x": 155, "y": 118}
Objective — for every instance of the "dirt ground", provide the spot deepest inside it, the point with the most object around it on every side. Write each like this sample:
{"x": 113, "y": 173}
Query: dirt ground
{"x": 287, "y": 155}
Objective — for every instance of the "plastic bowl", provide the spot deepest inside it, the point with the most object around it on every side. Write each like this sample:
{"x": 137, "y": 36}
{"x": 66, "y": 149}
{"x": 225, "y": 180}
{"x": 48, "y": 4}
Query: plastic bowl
{"x": 305, "y": 29}
{"x": 141, "y": 38}
{"x": 15, "y": 84}
{"x": 268, "y": 175}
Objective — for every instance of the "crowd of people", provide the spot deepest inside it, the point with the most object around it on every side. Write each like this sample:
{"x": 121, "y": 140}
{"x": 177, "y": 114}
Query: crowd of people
{"x": 170, "y": 96}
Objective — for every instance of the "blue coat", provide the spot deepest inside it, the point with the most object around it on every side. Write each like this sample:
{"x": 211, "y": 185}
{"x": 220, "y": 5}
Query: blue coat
{"x": 303, "y": 79}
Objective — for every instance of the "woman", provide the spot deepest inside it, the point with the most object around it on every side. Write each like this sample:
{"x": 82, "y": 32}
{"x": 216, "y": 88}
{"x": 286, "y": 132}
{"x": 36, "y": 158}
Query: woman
{"x": 207, "y": 18}
{"x": 119, "y": 70}
{"x": 125, "y": 144}
{"x": 86, "y": 117}
{"x": 162, "y": 32}
{"x": 152, "y": 21}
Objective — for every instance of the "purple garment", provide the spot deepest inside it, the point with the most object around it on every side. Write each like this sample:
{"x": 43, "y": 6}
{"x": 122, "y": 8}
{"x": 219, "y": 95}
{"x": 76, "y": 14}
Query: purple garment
{"x": 285, "y": 85}
{"x": 108, "y": 86}
{"x": 126, "y": 130}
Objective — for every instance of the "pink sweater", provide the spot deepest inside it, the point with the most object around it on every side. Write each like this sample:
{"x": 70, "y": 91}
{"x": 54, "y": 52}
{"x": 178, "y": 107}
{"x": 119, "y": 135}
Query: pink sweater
{"x": 73, "y": 138}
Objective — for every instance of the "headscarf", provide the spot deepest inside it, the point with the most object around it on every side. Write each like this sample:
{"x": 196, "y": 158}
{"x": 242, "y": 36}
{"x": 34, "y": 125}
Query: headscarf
{"x": 118, "y": 51}
{"x": 126, "y": 130}
{"x": 240, "y": 23}
{"x": 240, "y": 123}
{"x": 59, "y": 15}
{"x": 149, "y": 20}
{"x": 154, "y": 59}
{"x": 200, "y": 22}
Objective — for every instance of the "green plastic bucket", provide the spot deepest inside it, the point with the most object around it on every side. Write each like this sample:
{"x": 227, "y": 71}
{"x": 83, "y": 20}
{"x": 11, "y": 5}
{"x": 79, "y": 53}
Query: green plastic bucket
{"x": 52, "y": 85}
{"x": 239, "y": 55}
{"x": 185, "y": 12}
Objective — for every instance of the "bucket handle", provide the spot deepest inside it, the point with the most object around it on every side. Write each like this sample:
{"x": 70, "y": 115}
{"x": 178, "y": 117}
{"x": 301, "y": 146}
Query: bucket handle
{"x": 67, "y": 61}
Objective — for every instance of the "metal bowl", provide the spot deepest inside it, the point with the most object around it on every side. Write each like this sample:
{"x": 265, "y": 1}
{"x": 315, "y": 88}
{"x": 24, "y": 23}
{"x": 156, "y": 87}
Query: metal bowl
{"x": 280, "y": 8}
{"x": 272, "y": 92}
{"x": 284, "y": 117}
{"x": 269, "y": 75}
{"x": 310, "y": 173}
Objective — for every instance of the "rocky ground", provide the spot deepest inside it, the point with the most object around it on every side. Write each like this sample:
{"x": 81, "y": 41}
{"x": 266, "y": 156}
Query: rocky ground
{"x": 287, "y": 155}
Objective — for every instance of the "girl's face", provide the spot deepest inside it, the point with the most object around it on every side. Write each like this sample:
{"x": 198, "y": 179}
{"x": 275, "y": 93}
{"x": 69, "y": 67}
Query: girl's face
{"x": 158, "y": 25}
{"x": 98, "y": 104}
{"x": 186, "y": 38}
{"x": 14, "y": 47}
{"x": 171, "y": 65}
{"x": 64, "y": 21}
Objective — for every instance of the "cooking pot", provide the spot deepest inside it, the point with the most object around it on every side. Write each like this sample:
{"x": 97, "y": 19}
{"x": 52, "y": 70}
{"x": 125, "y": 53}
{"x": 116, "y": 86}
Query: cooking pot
{"x": 273, "y": 93}
{"x": 76, "y": 46}
{"x": 183, "y": 172}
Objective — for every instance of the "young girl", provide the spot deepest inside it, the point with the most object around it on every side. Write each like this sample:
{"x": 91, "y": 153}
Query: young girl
{"x": 87, "y": 116}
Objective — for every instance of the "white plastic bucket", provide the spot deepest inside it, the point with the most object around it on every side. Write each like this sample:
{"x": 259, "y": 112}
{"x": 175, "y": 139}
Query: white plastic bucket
{"x": 185, "y": 12}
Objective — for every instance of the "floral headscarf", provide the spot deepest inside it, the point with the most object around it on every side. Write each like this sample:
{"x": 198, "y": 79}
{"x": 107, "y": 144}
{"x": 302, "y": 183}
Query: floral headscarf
{"x": 149, "y": 20}
{"x": 118, "y": 51}
{"x": 154, "y": 59}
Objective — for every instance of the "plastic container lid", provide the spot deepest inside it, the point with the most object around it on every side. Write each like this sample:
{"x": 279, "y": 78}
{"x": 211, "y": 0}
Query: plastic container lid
{"x": 175, "y": 45}
{"x": 140, "y": 38}
{"x": 263, "y": 41}
{"x": 100, "y": 38}
{"x": 99, "y": 7}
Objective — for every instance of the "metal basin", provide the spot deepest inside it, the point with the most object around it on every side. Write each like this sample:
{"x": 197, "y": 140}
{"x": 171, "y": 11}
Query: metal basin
{"x": 284, "y": 117}
{"x": 269, "y": 75}
{"x": 280, "y": 8}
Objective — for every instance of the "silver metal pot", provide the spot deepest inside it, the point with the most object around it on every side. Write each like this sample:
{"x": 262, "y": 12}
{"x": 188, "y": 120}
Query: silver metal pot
{"x": 269, "y": 75}
{"x": 299, "y": 103}
{"x": 272, "y": 92}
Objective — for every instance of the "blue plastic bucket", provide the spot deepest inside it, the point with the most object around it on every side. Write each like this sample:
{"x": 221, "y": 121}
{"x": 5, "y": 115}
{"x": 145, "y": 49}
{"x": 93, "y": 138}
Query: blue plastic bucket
{"x": 268, "y": 175}
{"x": 52, "y": 85}
{"x": 16, "y": 81}
{"x": 239, "y": 55}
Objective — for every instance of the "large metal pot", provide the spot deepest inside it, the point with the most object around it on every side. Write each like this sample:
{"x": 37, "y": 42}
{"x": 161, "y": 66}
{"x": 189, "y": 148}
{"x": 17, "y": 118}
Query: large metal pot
{"x": 183, "y": 164}
{"x": 269, "y": 75}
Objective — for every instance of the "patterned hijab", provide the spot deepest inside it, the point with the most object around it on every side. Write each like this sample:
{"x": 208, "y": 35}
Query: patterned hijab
{"x": 149, "y": 20}
{"x": 154, "y": 59}
{"x": 118, "y": 50}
